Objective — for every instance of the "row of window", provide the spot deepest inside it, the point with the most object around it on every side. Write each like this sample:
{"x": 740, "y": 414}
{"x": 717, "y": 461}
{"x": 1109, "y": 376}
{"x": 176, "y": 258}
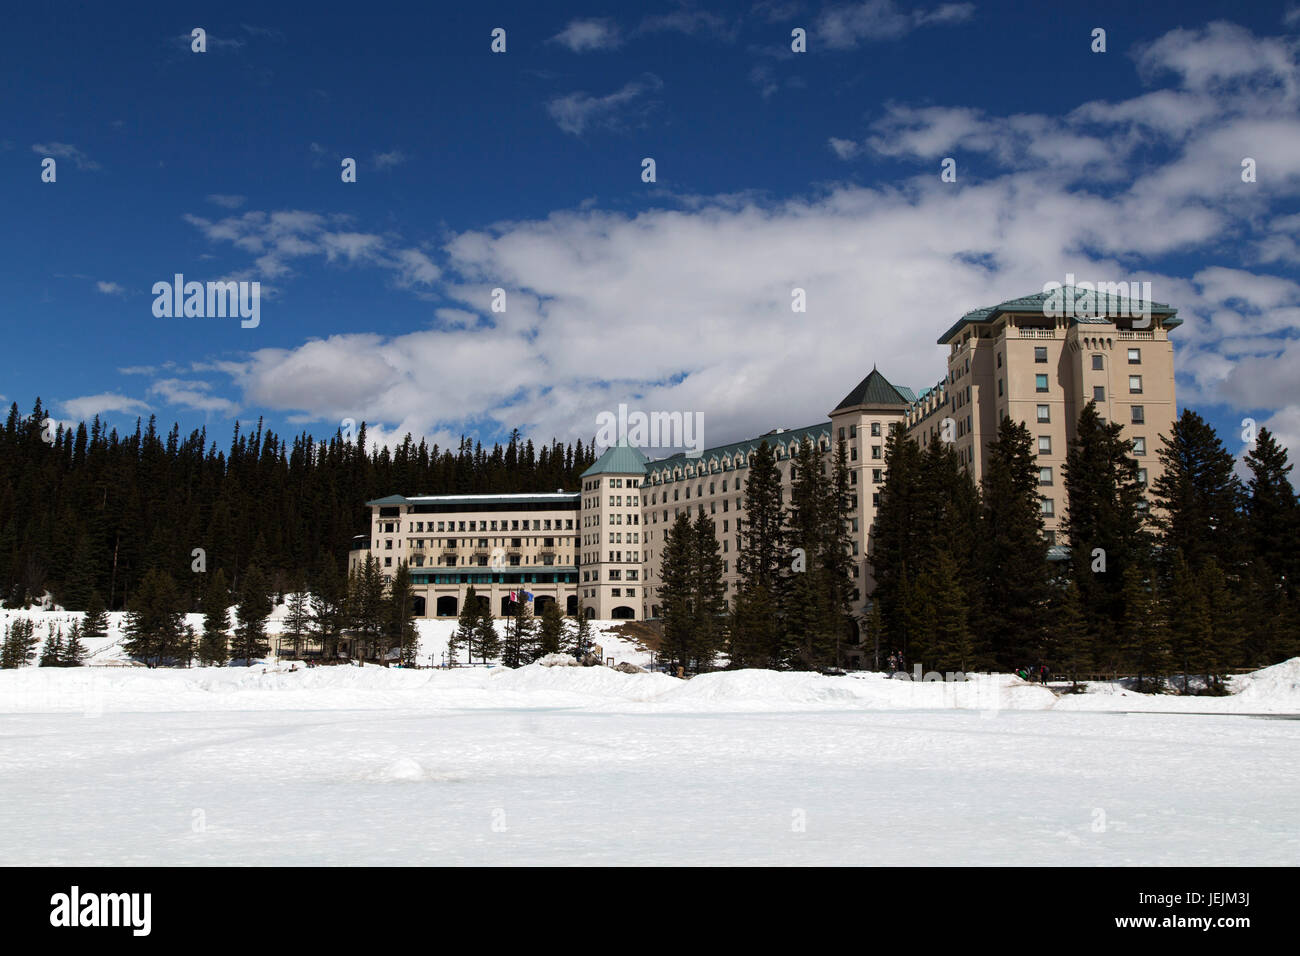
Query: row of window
{"x": 538, "y": 524}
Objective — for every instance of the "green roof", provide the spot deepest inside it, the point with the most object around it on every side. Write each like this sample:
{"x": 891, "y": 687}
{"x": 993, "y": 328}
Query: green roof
{"x": 1036, "y": 302}
{"x": 663, "y": 468}
{"x": 875, "y": 390}
{"x": 618, "y": 460}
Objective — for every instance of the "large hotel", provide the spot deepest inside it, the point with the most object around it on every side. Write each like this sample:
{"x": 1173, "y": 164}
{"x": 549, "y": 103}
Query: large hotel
{"x": 599, "y": 546}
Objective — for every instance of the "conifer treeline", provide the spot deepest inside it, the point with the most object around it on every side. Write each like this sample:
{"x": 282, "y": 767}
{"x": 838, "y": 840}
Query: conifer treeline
{"x": 1196, "y": 575}
{"x": 87, "y": 510}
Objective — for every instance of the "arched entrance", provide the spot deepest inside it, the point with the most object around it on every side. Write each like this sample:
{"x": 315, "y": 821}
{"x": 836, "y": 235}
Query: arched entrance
{"x": 448, "y": 606}
{"x": 571, "y": 605}
{"x": 540, "y": 602}
{"x": 623, "y": 613}
{"x": 418, "y": 606}
{"x": 591, "y": 613}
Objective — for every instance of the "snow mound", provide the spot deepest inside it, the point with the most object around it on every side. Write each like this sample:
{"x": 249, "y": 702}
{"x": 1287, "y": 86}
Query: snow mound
{"x": 1276, "y": 685}
{"x": 558, "y": 660}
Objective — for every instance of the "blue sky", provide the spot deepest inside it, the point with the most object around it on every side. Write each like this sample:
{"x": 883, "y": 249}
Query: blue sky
{"x": 522, "y": 171}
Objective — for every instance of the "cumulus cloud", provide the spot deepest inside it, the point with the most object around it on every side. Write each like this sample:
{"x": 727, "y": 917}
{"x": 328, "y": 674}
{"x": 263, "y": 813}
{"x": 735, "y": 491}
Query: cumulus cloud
{"x": 277, "y": 239}
{"x": 192, "y": 394}
{"x": 88, "y": 406}
{"x": 110, "y": 288}
{"x": 687, "y": 306}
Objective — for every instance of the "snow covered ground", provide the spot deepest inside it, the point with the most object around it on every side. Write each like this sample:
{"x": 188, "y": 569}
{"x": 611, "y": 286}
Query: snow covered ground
{"x": 570, "y": 765}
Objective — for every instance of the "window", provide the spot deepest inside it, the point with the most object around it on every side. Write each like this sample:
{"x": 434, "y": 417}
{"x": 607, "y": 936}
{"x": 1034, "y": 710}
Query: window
{"x": 1139, "y": 415}
{"x": 1097, "y": 364}
{"x": 999, "y": 388}
{"x": 1134, "y": 356}
{"x": 1135, "y": 384}
{"x": 1142, "y": 477}
{"x": 1139, "y": 446}
{"x": 875, "y": 452}
{"x": 877, "y": 475}
{"x": 999, "y": 360}
{"x": 1044, "y": 413}
{"x": 1044, "y": 476}
{"x": 1040, "y": 383}
{"x": 1040, "y": 354}
{"x": 1047, "y": 507}
{"x": 1099, "y": 393}
{"x": 1044, "y": 444}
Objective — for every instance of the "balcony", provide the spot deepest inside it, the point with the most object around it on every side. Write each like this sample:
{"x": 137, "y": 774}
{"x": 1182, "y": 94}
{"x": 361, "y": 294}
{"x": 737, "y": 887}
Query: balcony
{"x": 1136, "y": 336}
{"x": 1036, "y": 333}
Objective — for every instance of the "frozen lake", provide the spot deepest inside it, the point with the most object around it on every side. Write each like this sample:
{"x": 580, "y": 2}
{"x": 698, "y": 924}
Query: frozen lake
{"x": 570, "y": 766}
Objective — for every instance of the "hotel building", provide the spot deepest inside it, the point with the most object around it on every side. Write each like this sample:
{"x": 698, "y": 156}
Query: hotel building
{"x": 600, "y": 546}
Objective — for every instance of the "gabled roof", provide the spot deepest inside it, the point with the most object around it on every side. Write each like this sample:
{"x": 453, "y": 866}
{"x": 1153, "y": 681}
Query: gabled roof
{"x": 1037, "y": 301}
{"x": 618, "y": 460}
{"x": 875, "y": 390}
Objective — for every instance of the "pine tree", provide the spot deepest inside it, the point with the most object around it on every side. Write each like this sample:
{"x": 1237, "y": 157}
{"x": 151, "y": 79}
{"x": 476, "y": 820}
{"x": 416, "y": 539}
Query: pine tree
{"x": 1143, "y": 636}
{"x": 897, "y": 555}
{"x": 551, "y": 632}
{"x": 329, "y": 607}
{"x": 948, "y": 613}
{"x": 74, "y": 653}
{"x": 520, "y": 644}
{"x": 1187, "y": 614}
{"x": 485, "y": 633}
{"x": 805, "y": 597}
{"x": 254, "y": 608}
{"x": 214, "y": 645}
{"x": 581, "y": 631}
{"x": 52, "y": 652}
{"x": 19, "y": 645}
{"x": 1198, "y": 497}
{"x": 96, "y": 620}
{"x": 399, "y": 617}
{"x": 1013, "y": 570}
{"x": 1105, "y": 525}
{"x": 1272, "y": 523}
{"x": 1070, "y": 643}
{"x": 154, "y": 619}
{"x": 707, "y": 594}
{"x": 676, "y": 607}
{"x": 297, "y": 619}
{"x": 763, "y": 561}
{"x": 466, "y": 628}
{"x": 836, "y": 557}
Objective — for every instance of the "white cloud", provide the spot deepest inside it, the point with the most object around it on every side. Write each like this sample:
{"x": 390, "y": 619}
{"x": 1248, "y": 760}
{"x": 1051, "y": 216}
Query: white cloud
{"x": 226, "y": 200}
{"x": 388, "y": 160}
{"x": 583, "y": 35}
{"x": 577, "y": 112}
{"x": 687, "y": 307}
{"x": 110, "y": 288}
{"x": 844, "y": 26}
{"x": 65, "y": 151}
{"x": 88, "y": 406}
{"x": 192, "y": 394}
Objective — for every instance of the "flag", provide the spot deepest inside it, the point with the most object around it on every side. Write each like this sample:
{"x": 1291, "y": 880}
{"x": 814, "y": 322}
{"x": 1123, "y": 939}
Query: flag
{"x": 514, "y": 597}
{"x": 528, "y": 595}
